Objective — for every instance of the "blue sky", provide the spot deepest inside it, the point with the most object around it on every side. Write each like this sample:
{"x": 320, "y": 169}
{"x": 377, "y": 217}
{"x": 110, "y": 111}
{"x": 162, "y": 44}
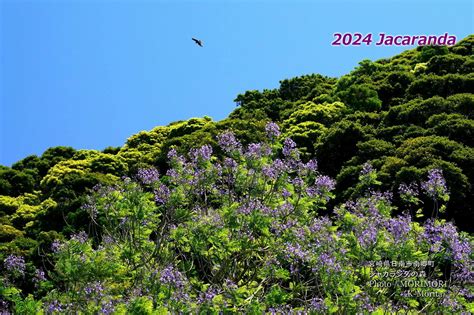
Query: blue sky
{"x": 89, "y": 74}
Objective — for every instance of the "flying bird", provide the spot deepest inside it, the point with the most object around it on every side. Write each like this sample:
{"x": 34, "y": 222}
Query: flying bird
{"x": 197, "y": 41}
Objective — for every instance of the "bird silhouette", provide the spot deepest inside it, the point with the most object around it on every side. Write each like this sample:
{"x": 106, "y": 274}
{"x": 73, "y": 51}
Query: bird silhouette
{"x": 197, "y": 41}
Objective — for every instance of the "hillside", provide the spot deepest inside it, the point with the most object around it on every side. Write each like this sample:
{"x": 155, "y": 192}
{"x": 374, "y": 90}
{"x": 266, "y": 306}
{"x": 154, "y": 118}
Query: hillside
{"x": 393, "y": 120}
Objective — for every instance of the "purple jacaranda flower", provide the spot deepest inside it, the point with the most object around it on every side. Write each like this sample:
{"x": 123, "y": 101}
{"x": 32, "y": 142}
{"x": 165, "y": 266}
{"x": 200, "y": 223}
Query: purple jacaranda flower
{"x": 327, "y": 262}
{"x": 311, "y": 166}
{"x": 300, "y": 233}
{"x": 172, "y": 173}
{"x": 15, "y": 263}
{"x": 320, "y": 224}
{"x": 368, "y": 206}
{"x": 399, "y": 227}
{"x": 317, "y": 305}
{"x": 460, "y": 248}
{"x": 295, "y": 250}
{"x": 463, "y": 272}
{"x": 108, "y": 239}
{"x": 288, "y": 147}
{"x": 324, "y": 183}
{"x": 249, "y": 206}
{"x": 170, "y": 275}
{"x": 90, "y": 207}
{"x": 203, "y": 153}
{"x": 285, "y": 193}
{"x": 272, "y": 130}
{"x": 279, "y": 310}
{"x": 172, "y": 154}
{"x": 410, "y": 190}
{"x": 294, "y": 270}
{"x": 230, "y": 284}
{"x": 435, "y": 234}
{"x": 450, "y": 303}
{"x": 230, "y": 163}
{"x": 257, "y": 150}
{"x": 39, "y": 276}
{"x": 445, "y": 236}
{"x": 279, "y": 227}
{"x": 297, "y": 182}
{"x": 269, "y": 172}
{"x": 162, "y": 194}
{"x": 94, "y": 289}
{"x": 80, "y": 237}
{"x": 435, "y": 186}
{"x": 363, "y": 300}
{"x": 148, "y": 175}
{"x": 367, "y": 168}
{"x": 228, "y": 142}
{"x": 285, "y": 208}
{"x": 367, "y": 236}
{"x": 275, "y": 169}
{"x": 55, "y": 307}
{"x": 107, "y": 307}
{"x": 56, "y": 246}
{"x": 205, "y": 297}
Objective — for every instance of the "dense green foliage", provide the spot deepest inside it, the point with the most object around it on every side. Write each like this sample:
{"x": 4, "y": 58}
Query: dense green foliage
{"x": 405, "y": 115}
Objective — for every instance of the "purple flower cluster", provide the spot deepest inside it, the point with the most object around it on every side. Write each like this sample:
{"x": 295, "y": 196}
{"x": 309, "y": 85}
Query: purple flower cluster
{"x": 257, "y": 150}
{"x": 320, "y": 224}
{"x": 55, "y": 307}
{"x": 435, "y": 186}
{"x": 317, "y": 305}
{"x": 228, "y": 142}
{"x": 327, "y": 262}
{"x": 230, "y": 163}
{"x": 162, "y": 194}
{"x": 311, "y": 166}
{"x": 399, "y": 227}
{"x": 368, "y": 236}
{"x": 56, "y": 246}
{"x": 39, "y": 275}
{"x": 444, "y": 236}
{"x": 206, "y": 297}
{"x": 274, "y": 170}
{"x": 464, "y": 272}
{"x": 172, "y": 154}
{"x": 322, "y": 184}
{"x": 450, "y": 303}
{"x": 281, "y": 309}
{"x": 148, "y": 175}
{"x": 249, "y": 206}
{"x": 289, "y": 146}
{"x": 15, "y": 263}
{"x": 364, "y": 301}
{"x": 285, "y": 193}
{"x": 294, "y": 250}
{"x": 367, "y": 168}
{"x": 107, "y": 307}
{"x": 272, "y": 130}
{"x": 203, "y": 153}
{"x": 94, "y": 289}
{"x": 408, "y": 190}
{"x": 91, "y": 208}
{"x": 80, "y": 237}
{"x": 172, "y": 276}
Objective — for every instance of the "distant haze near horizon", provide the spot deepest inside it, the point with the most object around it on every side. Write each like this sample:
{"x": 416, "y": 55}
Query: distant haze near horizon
{"x": 89, "y": 74}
